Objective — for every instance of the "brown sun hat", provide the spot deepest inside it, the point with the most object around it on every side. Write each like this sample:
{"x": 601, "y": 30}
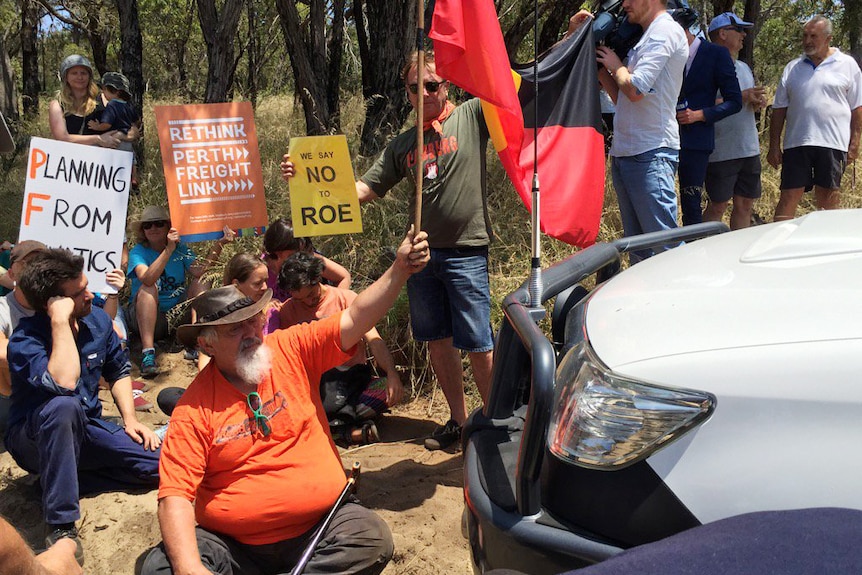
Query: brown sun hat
{"x": 220, "y": 306}
{"x": 150, "y": 214}
{"x": 154, "y": 214}
{"x": 24, "y": 249}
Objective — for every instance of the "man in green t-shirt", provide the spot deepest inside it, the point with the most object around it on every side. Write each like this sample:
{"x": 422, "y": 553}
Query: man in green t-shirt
{"x": 450, "y": 300}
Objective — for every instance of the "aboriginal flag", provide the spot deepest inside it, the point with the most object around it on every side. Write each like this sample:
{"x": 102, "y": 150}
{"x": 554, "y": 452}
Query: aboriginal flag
{"x": 571, "y": 162}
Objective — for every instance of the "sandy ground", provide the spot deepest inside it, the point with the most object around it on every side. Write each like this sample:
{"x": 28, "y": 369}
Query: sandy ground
{"x": 417, "y": 492}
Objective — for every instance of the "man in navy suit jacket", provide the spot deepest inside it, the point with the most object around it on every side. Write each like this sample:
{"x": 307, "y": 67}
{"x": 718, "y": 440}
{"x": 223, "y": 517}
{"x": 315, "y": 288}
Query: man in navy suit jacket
{"x": 709, "y": 70}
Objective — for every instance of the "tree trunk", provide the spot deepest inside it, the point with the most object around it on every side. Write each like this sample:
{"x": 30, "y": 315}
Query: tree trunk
{"x": 181, "y": 49}
{"x": 334, "y": 51}
{"x": 253, "y": 55}
{"x": 315, "y": 73}
{"x": 8, "y": 88}
{"x": 219, "y": 32}
{"x": 383, "y": 56}
{"x": 722, "y": 6}
{"x": 131, "y": 49}
{"x": 30, "y": 57}
{"x": 556, "y": 22}
{"x": 132, "y": 60}
{"x": 521, "y": 25}
{"x": 751, "y": 14}
{"x": 853, "y": 25}
{"x": 99, "y": 37}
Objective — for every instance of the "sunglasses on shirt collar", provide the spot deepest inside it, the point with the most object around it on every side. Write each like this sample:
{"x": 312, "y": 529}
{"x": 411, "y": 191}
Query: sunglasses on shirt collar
{"x": 430, "y": 86}
{"x": 260, "y": 419}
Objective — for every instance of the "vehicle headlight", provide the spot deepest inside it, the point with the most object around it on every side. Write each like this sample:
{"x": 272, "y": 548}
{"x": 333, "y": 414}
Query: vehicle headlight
{"x": 604, "y": 421}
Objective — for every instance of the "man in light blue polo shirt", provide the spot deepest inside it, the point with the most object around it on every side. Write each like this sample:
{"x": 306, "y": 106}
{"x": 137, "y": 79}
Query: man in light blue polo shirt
{"x": 645, "y": 150}
{"x": 733, "y": 172}
{"x": 820, "y": 96}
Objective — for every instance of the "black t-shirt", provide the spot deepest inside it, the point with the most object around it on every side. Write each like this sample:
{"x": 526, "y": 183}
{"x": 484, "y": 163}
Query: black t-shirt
{"x": 78, "y": 125}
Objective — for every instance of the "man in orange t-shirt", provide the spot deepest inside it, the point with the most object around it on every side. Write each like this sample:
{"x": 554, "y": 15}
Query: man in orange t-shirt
{"x": 248, "y": 455}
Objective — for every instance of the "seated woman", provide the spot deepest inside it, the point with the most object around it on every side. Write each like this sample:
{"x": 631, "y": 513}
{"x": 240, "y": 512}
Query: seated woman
{"x": 159, "y": 266}
{"x": 279, "y": 243}
{"x": 349, "y": 403}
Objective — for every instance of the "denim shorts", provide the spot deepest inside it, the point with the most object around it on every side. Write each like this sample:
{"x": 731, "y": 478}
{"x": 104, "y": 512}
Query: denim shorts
{"x": 451, "y": 297}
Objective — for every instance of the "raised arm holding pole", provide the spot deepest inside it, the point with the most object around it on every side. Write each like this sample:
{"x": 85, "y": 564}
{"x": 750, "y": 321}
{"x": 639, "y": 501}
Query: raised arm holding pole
{"x": 420, "y": 119}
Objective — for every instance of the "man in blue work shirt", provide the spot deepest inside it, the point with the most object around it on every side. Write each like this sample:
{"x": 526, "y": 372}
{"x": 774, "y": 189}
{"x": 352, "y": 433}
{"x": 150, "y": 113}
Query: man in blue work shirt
{"x": 56, "y": 358}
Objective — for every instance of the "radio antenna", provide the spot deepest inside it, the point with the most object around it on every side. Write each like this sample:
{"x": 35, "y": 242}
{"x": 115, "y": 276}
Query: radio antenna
{"x": 536, "y": 286}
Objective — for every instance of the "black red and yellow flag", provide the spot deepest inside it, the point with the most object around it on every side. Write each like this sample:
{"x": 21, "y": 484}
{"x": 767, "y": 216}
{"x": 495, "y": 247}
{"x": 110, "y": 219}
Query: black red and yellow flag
{"x": 571, "y": 161}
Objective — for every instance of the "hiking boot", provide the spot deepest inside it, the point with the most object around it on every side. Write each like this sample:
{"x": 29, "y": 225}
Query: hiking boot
{"x": 65, "y": 531}
{"x": 149, "y": 369}
{"x": 190, "y": 354}
{"x": 443, "y": 436}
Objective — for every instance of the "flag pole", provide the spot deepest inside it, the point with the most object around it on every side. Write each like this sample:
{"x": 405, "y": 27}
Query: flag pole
{"x": 420, "y": 105}
{"x": 536, "y": 286}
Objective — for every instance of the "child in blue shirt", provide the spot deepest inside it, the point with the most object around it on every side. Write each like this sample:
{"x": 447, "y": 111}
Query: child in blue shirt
{"x": 119, "y": 114}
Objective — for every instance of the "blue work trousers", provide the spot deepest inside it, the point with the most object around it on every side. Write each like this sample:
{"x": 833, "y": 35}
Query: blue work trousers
{"x": 75, "y": 455}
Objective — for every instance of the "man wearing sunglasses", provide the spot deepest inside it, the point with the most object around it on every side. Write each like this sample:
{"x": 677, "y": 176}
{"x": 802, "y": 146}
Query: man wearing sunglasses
{"x": 248, "y": 456}
{"x": 450, "y": 301}
{"x": 734, "y": 165}
{"x": 709, "y": 70}
{"x": 820, "y": 97}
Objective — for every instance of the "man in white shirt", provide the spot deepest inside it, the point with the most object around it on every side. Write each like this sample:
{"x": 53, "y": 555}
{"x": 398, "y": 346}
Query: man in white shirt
{"x": 734, "y": 165}
{"x": 820, "y": 96}
{"x": 645, "y": 150}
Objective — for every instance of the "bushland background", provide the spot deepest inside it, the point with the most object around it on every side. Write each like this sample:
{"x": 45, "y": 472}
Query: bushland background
{"x": 317, "y": 67}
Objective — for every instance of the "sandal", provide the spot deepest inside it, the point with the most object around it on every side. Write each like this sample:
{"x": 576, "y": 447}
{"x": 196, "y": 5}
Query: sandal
{"x": 364, "y": 435}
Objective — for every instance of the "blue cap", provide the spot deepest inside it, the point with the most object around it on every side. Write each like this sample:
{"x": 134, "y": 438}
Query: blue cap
{"x": 728, "y": 19}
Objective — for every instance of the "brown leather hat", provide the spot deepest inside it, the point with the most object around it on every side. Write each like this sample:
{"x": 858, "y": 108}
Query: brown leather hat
{"x": 220, "y": 306}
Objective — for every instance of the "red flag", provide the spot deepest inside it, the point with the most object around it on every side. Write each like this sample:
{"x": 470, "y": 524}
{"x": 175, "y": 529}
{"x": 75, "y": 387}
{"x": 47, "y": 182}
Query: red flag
{"x": 571, "y": 150}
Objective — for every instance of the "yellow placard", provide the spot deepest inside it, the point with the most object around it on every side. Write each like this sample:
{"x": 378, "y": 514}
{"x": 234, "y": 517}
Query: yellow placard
{"x": 323, "y": 191}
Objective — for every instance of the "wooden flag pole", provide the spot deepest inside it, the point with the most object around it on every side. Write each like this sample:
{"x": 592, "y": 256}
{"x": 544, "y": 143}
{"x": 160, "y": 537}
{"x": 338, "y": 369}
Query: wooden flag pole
{"x": 420, "y": 116}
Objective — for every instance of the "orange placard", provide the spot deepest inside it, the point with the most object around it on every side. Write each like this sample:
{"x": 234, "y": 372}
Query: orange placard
{"x": 212, "y": 169}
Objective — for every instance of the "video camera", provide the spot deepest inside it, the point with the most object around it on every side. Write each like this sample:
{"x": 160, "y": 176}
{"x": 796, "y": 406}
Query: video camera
{"x": 612, "y": 28}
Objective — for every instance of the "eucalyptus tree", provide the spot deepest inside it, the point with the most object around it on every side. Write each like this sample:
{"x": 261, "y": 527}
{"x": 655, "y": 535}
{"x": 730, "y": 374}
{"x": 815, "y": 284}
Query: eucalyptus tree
{"x": 30, "y": 57}
{"x": 131, "y": 49}
{"x": 219, "y": 28}
{"x": 313, "y": 32}
{"x": 172, "y": 40}
{"x": 382, "y": 56}
{"x": 95, "y": 19}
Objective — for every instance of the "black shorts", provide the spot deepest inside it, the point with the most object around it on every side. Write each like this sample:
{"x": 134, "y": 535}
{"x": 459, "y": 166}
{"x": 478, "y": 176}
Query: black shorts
{"x": 808, "y": 166}
{"x": 739, "y": 177}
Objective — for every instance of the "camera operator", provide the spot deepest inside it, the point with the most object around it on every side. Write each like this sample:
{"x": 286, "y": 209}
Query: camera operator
{"x": 645, "y": 150}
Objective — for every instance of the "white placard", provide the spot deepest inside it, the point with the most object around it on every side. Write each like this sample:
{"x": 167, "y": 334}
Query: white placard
{"x": 76, "y": 197}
